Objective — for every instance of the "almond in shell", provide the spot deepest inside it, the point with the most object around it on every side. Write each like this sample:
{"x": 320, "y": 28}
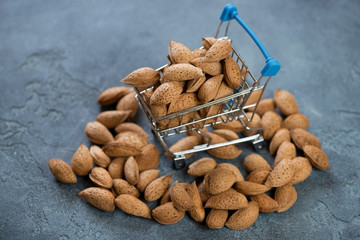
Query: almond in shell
{"x": 250, "y": 188}
{"x": 82, "y": 162}
{"x": 201, "y": 167}
{"x": 301, "y": 138}
{"x": 166, "y": 93}
{"x": 128, "y": 103}
{"x": 126, "y": 144}
{"x": 157, "y": 188}
{"x": 227, "y": 152}
{"x": 270, "y": 122}
{"x": 180, "y": 197}
{"x": 258, "y": 176}
{"x": 229, "y": 200}
{"x": 194, "y": 85}
{"x": 167, "y": 214}
{"x": 208, "y": 42}
{"x": 198, "y": 212}
{"x": 232, "y": 73}
{"x": 286, "y": 150}
{"x": 179, "y": 53}
{"x": 296, "y": 120}
{"x": 166, "y": 197}
{"x": 254, "y": 161}
{"x": 133, "y": 206}
{"x": 285, "y": 102}
{"x": 216, "y": 218}
{"x": 101, "y": 177}
{"x": 224, "y": 91}
{"x": 143, "y": 77}
{"x": 266, "y": 203}
{"x": 98, "y": 133}
{"x": 282, "y": 174}
{"x": 210, "y": 88}
{"x": 286, "y": 197}
{"x": 219, "y": 180}
{"x": 149, "y": 158}
{"x": 302, "y": 168}
{"x": 184, "y": 101}
{"x": 244, "y": 217}
{"x": 219, "y": 50}
{"x": 211, "y": 68}
{"x": 281, "y": 135}
{"x": 121, "y": 186}
{"x": 182, "y": 72}
{"x": 111, "y": 119}
{"x": 146, "y": 177}
{"x": 131, "y": 171}
{"x": 264, "y": 106}
{"x": 132, "y": 127}
{"x": 62, "y": 171}
{"x": 99, "y": 157}
{"x": 112, "y": 95}
{"x": 184, "y": 144}
{"x": 100, "y": 198}
{"x": 204, "y": 195}
{"x": 116, "y": 167}
{"x": 233, "y": 168}
{"x": 317, "y": 157}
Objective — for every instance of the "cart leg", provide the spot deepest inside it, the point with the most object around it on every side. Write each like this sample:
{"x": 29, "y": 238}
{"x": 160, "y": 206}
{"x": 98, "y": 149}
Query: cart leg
{"x": 258, "y": 143}
{"x": 179, "y": 162}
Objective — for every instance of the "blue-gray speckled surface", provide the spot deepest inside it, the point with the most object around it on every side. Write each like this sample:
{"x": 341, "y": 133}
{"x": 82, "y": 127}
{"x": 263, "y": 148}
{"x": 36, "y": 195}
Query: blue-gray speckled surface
{"x": 57, "y": 56}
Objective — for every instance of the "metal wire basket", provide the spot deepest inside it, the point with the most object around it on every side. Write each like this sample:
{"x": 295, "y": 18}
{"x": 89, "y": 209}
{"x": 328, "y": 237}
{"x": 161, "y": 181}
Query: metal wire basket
{"x": 230, "y": 108}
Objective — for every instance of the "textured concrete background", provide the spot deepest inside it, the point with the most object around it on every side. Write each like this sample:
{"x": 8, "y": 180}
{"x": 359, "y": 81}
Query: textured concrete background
{"x": 57, "y": 56}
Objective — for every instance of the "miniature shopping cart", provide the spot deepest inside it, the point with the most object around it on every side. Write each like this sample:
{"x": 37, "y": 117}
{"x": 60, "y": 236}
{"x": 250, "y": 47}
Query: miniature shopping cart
{"x": 233, "y": 107}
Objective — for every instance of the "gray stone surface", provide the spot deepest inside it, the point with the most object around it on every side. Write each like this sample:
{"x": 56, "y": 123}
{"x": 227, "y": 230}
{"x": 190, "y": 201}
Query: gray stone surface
{"x": 57, "y": 56}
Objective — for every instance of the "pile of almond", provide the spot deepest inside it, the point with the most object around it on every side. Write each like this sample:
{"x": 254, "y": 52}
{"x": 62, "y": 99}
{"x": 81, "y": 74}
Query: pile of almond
{"x": 122, "y": 163}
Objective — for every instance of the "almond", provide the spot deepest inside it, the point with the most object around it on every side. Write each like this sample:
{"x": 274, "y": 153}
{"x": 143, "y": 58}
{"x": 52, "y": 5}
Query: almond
{"x": 98, "y": 133}
{"x": 224, "y": 91}
{"x": 179, "y": 53}
{"x": 302, "y": 168}
{"x": 182, "y": 72}
{"x": 116, "y": 167}
{"x": 194, "y": 85}
{"x": 112, "y": 95}
{"x": 285, "y": 102}
{"x": 143, "y": 77}
{"x": 131, "y": 170}
{"x": 229, "y": 200}
{"x": 157, "y": 188}
{"x": 227, "y": 152}
{"x": 133, "y": 206}
{"x": 111, "y": 119}
{"x": 167, "y": 214}
{"x": 126, "y": 144}
{"x": 99, "y": 157}
{"x": 255, "y": 123}
{"x": 216, "y": 218}
{"x": 147, "y": 95}
{"x": 286, "y": 150}
{"x": 219, "y": 180}
{"x": 184, "y": 101}
{"x": 198, "y": 212}
{"x": 258, "y": 176}
{"x": 281, "y": 174}
{"x": 286, "y": 197}
{"x": 254, "y": 161}
{"x": 132, "y": 127}
{"x": 232, "y": 73}
{"x": 146, "y": 177}
{"x": 82, "y": 162}
{"x": 281, "y": 135}
{"x": 101, "y": 177}
{"x": 166, "y": 93}
{"x": 234, "y": 126}
{"x": 204, "y": 195}
{"x": 250, "y": 188}
{"x": 317, "y": 157}
{"x": 266, "y": 203}
{"x": 264, "y": 106}
{"x": 210, "y": 88}
{"x": 180, "y": 197}
{"x": 123, "y": 187}
{"x": 160, "y": 111}
{"x": 296, "y": 120}
{"x": 201, "y": 167}
{"x": 98, "y": 197}
{"x": 270, "y": 122}
{"x": 227, "y": 134}
{"x": 219, "y": 50}
{"x": 62, "y": 171}
{"x": 166, "y": 197}
{"x": 148, "y": 158}
{"x": 208, "y": 42}
{"x": 254, "y": 97}
{"x": 128, "y": 103}
{"x": 301, "y": 138}
{"x": 199, "y": 52}
{"x": 183, "y": 144}
{"x": 211, "y": 68}
{"x": 233, "y": 168}
{"x": 244, "y": 217}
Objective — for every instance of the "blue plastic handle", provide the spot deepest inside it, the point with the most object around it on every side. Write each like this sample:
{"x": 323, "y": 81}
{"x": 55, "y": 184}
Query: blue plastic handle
{"x": 272, "y": 66}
